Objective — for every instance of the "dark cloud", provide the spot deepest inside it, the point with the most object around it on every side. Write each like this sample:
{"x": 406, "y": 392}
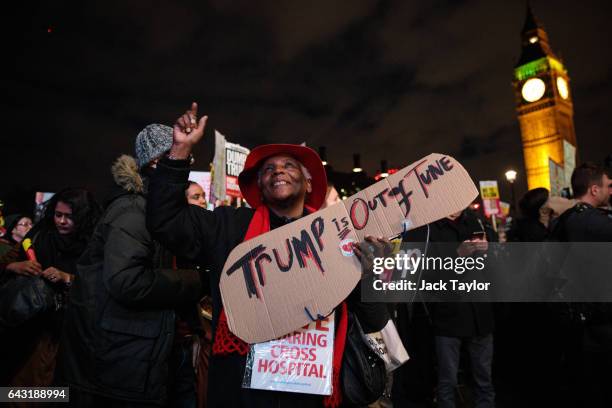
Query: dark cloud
{"x": 391, "y": 80}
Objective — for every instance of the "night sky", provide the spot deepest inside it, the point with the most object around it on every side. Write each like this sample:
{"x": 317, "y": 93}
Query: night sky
{"x": 391, "y": 80}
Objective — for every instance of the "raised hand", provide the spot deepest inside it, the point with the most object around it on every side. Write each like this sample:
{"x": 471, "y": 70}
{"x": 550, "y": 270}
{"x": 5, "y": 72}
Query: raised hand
{"x": 187, "y": 132}
{"x": 371, "y": 248}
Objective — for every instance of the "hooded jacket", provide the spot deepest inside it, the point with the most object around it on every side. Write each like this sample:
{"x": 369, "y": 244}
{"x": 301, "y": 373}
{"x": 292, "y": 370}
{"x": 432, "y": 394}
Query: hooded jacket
{"x": 120, "y": 320}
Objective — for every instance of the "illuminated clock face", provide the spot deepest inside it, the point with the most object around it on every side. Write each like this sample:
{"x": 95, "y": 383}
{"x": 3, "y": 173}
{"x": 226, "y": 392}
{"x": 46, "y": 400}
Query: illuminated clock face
{"x": 562, "y": 87}
{"x": 533, "y": 89}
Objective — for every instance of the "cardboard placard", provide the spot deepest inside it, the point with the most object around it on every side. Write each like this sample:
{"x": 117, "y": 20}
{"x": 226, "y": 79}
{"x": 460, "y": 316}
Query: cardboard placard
{"x": 282, "y": 280}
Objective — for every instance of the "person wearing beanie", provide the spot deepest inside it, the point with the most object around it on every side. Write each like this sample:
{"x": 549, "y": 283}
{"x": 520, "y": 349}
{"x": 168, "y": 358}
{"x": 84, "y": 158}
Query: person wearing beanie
{"x": 121, "y": 317}
{"x": 151, "y": 143}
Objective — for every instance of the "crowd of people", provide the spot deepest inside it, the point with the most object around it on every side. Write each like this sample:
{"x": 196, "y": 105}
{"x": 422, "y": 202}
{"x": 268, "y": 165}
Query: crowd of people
{"x": 121, "y": 302}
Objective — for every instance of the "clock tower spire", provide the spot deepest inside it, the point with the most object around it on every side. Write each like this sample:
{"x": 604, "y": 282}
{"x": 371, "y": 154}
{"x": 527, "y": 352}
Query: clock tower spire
{"x": 545, "y": 109}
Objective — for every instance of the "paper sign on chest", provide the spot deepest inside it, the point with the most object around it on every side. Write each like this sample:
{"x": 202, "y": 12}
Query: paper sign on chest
{"x": 273, "y": 284}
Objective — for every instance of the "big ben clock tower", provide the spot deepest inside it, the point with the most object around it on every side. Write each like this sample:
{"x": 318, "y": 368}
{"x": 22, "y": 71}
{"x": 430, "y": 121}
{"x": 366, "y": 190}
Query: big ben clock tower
{"x": 545, "y": 111}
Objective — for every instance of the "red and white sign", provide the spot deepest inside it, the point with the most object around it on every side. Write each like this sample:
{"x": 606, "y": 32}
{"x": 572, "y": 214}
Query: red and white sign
{"x": 490, "y": 206}
{"x": 231, "y": 186}
{"x": 298, "y": 362}
{"x": 489, "y": 191}
{"x": 235, "y": 157}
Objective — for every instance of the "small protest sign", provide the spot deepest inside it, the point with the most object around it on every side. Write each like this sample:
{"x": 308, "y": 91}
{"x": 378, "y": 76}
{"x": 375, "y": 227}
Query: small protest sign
{"x": 489, "y": 189}
{"x": 298, "y": 362}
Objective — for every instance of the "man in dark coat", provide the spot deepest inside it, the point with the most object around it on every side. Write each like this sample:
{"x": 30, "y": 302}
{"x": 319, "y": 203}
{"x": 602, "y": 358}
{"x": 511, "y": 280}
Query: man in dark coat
{"x": 282, "y": 183}
{"x": 462, "y": 322}
{"x": 120, "y": 321}
{"x": 588, "y": 222}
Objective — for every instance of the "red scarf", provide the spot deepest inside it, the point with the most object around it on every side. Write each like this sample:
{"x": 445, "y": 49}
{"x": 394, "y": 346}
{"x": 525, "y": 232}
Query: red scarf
{"x": 227, "y": 343}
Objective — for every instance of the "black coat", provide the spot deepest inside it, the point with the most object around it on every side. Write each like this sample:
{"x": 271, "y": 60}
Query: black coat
{"x": 584, "y": 223}
{"x": 207, "y": 237}
{"x": 461, "y": 319}
{"x": 32, "y": 313}
{"x": 527, "y": 230}
{"x": 119, "y": 323}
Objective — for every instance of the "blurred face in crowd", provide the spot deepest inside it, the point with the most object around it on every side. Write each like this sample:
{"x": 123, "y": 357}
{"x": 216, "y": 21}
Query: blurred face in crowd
{"x": 331, "y": 197}
{"x": 282, "y": 181}
{"x": 195, "y": 195}
{"x": 63, "y": 218}
{"x": 23, "y": 226}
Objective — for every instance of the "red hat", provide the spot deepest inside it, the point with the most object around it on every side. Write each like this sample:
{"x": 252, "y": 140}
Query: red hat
{"x": 247, "y": 180}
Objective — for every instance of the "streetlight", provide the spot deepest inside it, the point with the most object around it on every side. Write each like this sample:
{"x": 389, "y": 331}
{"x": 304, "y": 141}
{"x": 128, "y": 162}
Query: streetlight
{"x": 511, "y": 177}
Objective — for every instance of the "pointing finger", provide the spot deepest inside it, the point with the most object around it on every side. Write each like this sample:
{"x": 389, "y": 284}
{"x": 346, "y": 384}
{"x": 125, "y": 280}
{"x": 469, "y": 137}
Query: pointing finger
{"x": 194, "y": 110}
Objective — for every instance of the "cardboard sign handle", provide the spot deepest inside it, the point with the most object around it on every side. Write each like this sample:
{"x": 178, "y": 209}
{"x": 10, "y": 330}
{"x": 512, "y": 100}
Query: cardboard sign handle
{"x": 319, "y": 316}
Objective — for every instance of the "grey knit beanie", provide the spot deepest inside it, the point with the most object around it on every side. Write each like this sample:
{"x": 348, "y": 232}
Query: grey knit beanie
{"x": 152, "y": 142}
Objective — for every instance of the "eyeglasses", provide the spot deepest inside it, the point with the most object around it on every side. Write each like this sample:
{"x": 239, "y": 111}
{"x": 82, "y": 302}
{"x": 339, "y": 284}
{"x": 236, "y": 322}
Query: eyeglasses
{"x": 24, "y": 224}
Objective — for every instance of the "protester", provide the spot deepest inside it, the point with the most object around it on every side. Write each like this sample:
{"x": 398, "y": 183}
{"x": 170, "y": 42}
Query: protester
{"x": 281, "y": 183}
{"x": 533, "y": 225}
{"x": 16, "y": 227}
{"x": 188, "y": 379}
{"x": 120, "y": 320}
{"x": 415, "y": 381}
{"x": 540, "y": 347}
{"x": 585, "y": 222}
{"x": 591, "y": 353}
{"x": 58, "y": 240}
{"x": 462, "y": 323}
{"x": 195, "y": 194}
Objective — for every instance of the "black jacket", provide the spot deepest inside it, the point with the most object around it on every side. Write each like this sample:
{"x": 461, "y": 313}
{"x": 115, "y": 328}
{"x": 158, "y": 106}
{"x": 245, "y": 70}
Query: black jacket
{"x": 527, "y": 230}
{"x": 460, "y": 319}
{"x": 119, "y": 323}
{"x": 31, "y": 308}
{"x": 208, "y": 237}
{"x": 584, "y": 223}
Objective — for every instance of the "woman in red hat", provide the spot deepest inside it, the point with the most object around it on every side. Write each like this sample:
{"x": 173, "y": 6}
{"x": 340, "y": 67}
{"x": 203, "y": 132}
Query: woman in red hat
{"x": 281, "y": 182}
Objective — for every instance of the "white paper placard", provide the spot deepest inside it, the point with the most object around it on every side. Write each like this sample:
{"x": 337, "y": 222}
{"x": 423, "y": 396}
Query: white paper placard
{"x": 298, "y": 362}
